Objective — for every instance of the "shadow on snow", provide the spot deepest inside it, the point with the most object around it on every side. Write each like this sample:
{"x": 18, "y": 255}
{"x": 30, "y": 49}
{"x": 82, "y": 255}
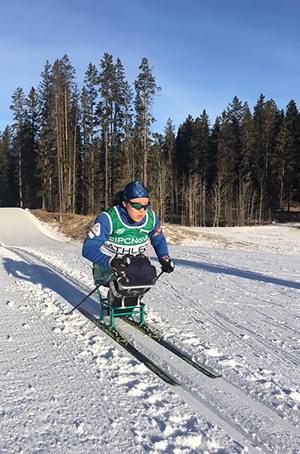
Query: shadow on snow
{"x": 239, "y": 273}
{"x": 48, "y": 279}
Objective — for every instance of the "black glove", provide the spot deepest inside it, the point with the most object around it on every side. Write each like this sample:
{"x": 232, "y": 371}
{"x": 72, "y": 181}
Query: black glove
{"x": 167, "y": 265}
{"x": 119, "y": 264}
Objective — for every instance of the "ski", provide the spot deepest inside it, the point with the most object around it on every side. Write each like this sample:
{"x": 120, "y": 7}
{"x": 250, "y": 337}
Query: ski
{"x": 123, "y": 342}
{"x": 169, "y": 346}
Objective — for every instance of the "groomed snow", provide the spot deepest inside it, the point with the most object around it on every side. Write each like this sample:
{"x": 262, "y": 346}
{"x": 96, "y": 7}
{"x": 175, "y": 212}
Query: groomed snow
{"x": 232, "y": 303}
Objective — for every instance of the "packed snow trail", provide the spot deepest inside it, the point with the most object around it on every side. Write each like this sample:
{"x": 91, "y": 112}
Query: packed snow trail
{"x": 53, "y": 280}
{"x": 43, "y": 405}
{"x": 40, "y": 278}
{"x": 232, "y": 429}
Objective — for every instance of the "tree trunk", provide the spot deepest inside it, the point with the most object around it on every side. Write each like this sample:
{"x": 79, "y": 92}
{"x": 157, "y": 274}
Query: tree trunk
{"x": 106, "y": 163}
{"x": 20, "y": 183}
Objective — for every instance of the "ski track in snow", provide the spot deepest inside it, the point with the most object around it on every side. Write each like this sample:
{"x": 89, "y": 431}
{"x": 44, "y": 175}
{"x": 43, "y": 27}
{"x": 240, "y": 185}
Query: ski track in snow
{"x": 88, "y": 382}
{"x": 67, "y": 388}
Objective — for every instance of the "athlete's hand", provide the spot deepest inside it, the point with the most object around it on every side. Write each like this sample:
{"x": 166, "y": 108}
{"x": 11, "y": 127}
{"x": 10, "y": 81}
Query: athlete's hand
{"x": 167, "y": 265}
{"x": 119, "y": 264}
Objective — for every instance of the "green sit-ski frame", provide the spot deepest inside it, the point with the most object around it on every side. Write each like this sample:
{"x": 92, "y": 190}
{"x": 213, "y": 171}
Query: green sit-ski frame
{"x": 126, "y": 298}
{"x": 124, "y": 308}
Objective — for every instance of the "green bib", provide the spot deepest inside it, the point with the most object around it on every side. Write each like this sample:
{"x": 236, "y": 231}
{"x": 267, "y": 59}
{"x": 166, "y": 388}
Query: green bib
{"x": 125, "y": 239}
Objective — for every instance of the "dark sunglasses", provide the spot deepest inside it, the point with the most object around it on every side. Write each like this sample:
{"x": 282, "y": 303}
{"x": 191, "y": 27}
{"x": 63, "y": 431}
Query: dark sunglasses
{"x": 139, "y": 206}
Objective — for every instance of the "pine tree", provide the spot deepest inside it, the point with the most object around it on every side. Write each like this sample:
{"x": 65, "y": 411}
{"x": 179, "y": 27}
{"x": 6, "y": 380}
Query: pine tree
{"x": 30, "y": 147}
{"x": 46, "y": 161}
{"x": 5, "y": 144}
{"x": 105, "y": 107}
{"x": 292, "y": 120}
{"x": 247, "y": 195}
{"x": 266, "y": 123}
{"x": 18, "y": 108}
{"x": 201, "y": 143}
{"x": 145, "y": 88}
{"x": 89, "y": 157}
{"x": 168, "y": 150}
{"x": 285, "y": 159}
{"x": 226, "y": 170}
{"x": 183, "y": 147}
{"x": 184, "y": 168}
{"x": 122, "y": 126}
{"x": 236, "y": 113}
{"x": 116, "y": 122}
{"x": 63, "y": 75}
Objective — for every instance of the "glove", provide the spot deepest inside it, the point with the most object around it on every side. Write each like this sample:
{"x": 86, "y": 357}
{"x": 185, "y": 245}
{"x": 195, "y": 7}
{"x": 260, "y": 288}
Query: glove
{"x": 118, "y": 265}
{"x": 167, "y": 265}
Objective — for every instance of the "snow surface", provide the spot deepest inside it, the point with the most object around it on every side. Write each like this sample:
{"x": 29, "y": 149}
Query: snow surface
{"x": 232, "y": 303}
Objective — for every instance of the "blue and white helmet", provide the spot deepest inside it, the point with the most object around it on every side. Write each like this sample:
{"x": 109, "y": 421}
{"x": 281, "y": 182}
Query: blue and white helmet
{"x": 135, "y": 190}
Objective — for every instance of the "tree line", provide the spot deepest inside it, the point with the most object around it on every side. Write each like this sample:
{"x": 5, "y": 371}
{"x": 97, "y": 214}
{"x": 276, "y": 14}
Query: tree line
{"x": 71, "y": 150}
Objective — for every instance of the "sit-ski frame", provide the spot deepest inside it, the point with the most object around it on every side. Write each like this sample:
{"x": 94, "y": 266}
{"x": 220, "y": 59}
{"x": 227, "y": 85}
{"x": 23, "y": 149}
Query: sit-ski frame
{"x": 123, "y": 310}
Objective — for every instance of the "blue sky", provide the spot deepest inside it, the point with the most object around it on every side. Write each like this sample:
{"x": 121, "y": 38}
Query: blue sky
{"x": 203, "y": 52}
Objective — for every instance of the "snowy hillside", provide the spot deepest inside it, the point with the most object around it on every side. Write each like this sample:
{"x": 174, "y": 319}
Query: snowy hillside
{"x": 232, "y": 303}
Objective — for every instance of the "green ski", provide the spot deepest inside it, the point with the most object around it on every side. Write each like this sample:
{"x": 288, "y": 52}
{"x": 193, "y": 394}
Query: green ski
{"x": 160, "y": 340}
{"x": 123, "y": 342}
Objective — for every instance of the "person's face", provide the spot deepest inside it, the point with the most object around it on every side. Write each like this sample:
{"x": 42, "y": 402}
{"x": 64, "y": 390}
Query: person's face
{"x": 136, "y": 214}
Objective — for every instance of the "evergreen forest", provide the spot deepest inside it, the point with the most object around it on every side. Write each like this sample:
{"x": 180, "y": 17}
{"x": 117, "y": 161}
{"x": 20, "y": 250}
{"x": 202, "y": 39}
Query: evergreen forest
{"x": 71, "y": 150}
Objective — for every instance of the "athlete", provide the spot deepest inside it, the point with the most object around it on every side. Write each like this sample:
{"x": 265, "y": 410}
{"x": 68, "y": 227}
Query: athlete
{"x": 120, "y": 237}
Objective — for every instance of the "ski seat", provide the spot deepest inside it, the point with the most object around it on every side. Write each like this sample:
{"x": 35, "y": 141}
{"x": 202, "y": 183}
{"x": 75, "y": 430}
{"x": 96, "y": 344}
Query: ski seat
{"x": 124, "y": 299}
{"x": 124, "y": 287}
{"x": 122, "y": 294}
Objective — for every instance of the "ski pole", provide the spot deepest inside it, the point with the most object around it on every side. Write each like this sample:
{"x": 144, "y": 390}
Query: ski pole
{"x": 87, "y": 296}
{"x": 158, "y": 275}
